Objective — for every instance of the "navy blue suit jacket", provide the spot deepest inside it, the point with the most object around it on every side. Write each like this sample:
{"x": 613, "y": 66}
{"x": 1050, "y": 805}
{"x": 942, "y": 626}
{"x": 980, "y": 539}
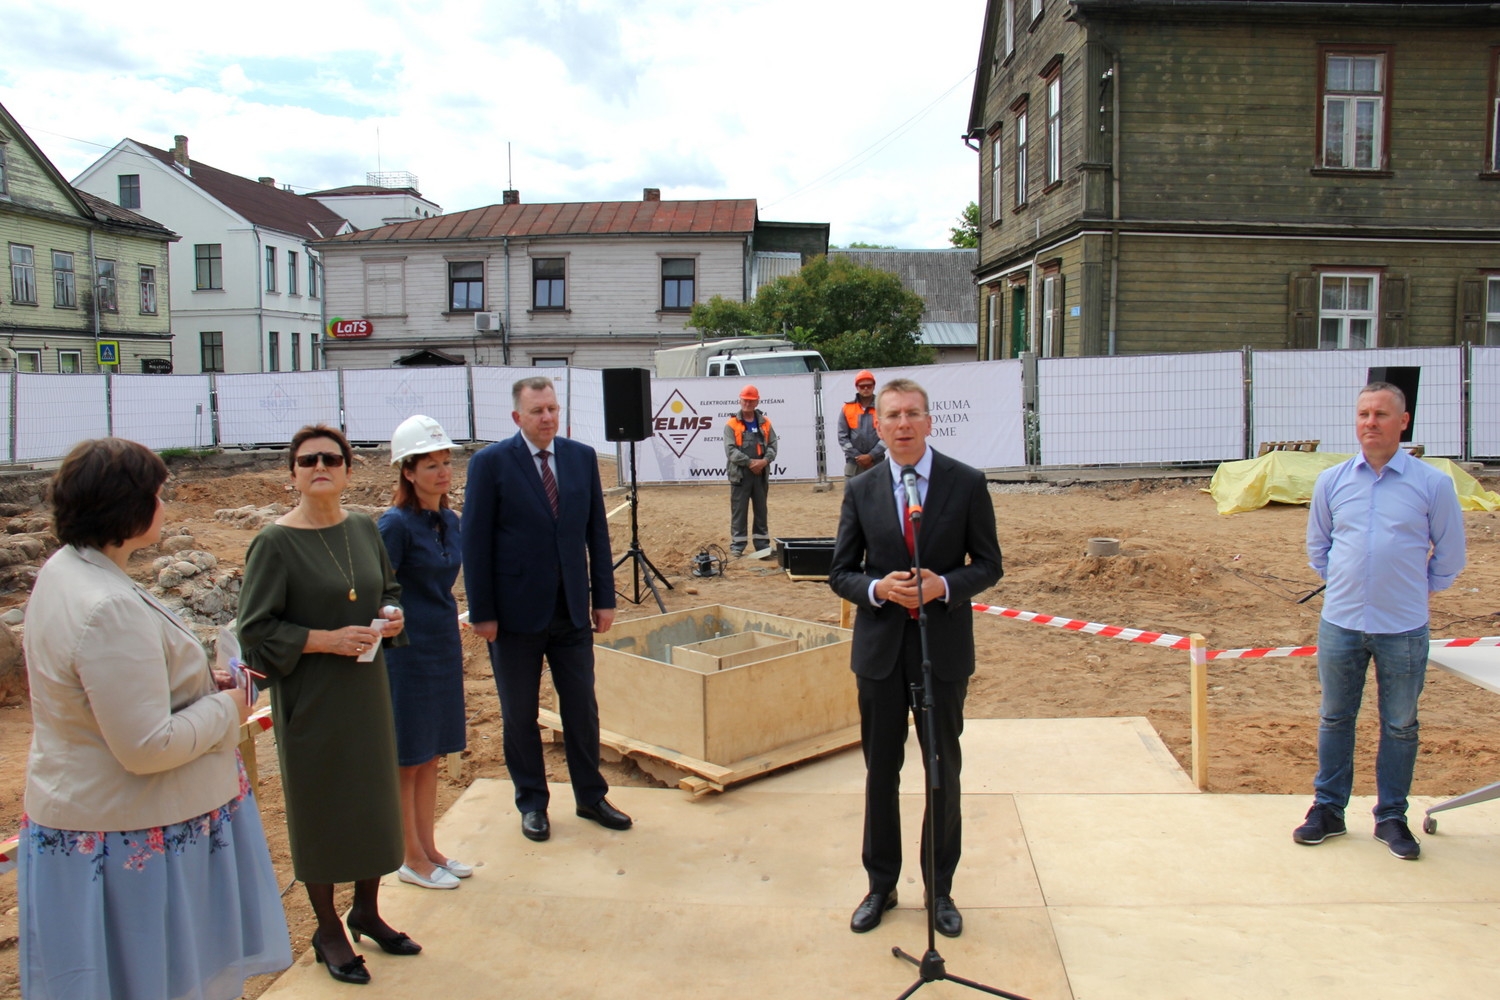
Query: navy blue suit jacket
{"x": 957, "y": 542}
{"x": 516, "y": 555}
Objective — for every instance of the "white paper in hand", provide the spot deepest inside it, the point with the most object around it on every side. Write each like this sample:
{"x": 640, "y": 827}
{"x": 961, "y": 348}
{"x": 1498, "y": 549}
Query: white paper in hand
{"x": 377, "y": 624}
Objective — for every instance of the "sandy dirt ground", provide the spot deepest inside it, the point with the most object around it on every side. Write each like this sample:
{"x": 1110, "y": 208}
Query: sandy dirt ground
{"x": 1182, "y": 569}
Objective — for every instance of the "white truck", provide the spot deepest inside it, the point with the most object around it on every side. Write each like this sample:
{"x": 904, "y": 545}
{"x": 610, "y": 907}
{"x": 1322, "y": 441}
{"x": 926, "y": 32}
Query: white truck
{"x": 740, "y": 356}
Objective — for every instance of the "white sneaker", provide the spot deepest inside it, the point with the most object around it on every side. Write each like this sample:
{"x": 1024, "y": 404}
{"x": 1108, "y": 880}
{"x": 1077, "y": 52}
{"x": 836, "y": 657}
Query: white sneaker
{"x": 440, "y": 878}
{"x": 457, "y": 868}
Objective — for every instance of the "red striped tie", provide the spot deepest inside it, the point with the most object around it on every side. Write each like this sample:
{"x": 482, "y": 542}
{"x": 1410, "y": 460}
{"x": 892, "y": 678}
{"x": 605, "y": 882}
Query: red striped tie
{"x": 911, "y": 545}
{"x": 549, "y": 481}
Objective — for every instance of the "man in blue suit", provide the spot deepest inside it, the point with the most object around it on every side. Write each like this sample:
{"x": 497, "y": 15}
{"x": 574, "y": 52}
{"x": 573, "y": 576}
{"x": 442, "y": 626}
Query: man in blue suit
{"x": 536, "y": 560}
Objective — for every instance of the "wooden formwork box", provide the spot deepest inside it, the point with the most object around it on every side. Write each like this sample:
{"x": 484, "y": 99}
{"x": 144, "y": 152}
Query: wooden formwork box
{"x": 716, "y": 695}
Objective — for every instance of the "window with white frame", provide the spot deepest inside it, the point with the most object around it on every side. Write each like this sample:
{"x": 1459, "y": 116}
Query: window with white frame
{"x": 1492, "y": 155}
{"x": 1036, "y": 9}
{"x": 208, "y": 265}
{"x": 291, "y": 272}
{"x": 148, "y": 290}
{"x": 64, "y": 281}
{"x": 1354, "y": 109}
{"x": 130, "y": 190}
{"x": 993, "y": 312}
{"x": 1050, "y": 305}
{"x": 108, "y": 287}
{"x": 1054, "y": 127}
{"x": 997, "y": 184}
{"x": 313, "y": 348}
{"x": 270, "y": 269}
{"x": 28, "y": 361}
{"x": 22, "y": 274}
{"x": 1021, "y": 149}
{"x": 1347, "y": 311}
{"x": 1492, "y": 312}
{"x": 1010, "y": 26}
{"x": 312, "y": 276}
{"x": 69, "y": 362}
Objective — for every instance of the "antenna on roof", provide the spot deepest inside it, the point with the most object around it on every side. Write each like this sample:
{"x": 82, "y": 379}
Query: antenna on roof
{"x": 378, "y": 168}
{"x": 510, "y": 179}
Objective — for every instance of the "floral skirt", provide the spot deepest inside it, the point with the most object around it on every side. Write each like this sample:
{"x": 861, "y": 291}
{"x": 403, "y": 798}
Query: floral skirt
{"x": 187, "y": 910}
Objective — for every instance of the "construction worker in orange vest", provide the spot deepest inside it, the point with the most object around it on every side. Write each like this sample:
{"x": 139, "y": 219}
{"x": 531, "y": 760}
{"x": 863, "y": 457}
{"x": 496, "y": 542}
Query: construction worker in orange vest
{"x": 857, "y": 435}
{"x": 749, "y": 447}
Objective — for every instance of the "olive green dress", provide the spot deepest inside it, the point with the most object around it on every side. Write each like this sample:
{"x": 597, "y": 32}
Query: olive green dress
{"x": 334, "y": 732}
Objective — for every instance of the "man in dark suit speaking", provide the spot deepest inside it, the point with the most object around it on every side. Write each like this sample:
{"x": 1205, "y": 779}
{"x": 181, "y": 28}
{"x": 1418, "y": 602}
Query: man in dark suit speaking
{"x": 536, "y": 555}
{"x": 872, "y": 569}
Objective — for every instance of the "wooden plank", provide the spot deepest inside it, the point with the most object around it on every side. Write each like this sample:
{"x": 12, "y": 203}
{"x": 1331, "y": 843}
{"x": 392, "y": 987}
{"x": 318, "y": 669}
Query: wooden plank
{"x": 713, "y": 777}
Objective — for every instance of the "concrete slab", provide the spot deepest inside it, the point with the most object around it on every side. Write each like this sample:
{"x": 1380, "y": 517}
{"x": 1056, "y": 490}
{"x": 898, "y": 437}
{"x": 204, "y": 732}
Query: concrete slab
{"x": 1021, "y": 756}
{"x": 1098, "y": 894}
{"x": 1183, "y": 850}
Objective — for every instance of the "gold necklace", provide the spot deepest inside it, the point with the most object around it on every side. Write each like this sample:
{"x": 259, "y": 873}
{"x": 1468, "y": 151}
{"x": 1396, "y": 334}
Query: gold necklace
{"x": 350, "y": 578}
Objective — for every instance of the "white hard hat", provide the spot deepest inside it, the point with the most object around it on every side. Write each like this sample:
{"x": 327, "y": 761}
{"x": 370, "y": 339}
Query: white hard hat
{"x": 418, "y": 435}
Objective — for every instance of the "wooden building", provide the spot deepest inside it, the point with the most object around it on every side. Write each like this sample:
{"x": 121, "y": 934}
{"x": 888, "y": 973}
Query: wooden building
{"x": 592, "y": 284}
{"x": 87, "y": 279}
{"x": 1190, "y": 175}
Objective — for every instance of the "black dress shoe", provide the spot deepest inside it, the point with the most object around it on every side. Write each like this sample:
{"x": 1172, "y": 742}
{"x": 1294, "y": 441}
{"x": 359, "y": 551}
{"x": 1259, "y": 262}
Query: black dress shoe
{"x": 870, "y": 909}
{"x": 605, "y": 815}
{"x": 352, "y": 971}
{"x": 949, "y": 922}
{"x": 534, "y": 825}
{"x": 393, "y": 943}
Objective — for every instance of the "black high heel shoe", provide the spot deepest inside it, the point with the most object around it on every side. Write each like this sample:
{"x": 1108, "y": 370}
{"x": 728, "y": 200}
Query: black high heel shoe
{"x": 395, "y": 943}
{"x": 352, "y": 971}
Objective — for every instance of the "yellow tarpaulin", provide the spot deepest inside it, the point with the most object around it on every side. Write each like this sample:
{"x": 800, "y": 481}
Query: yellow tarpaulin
{"x": 1288, "y": 477}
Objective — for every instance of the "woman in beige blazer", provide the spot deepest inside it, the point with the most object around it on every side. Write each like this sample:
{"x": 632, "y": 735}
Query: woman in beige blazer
{"x": 143, "y": 867}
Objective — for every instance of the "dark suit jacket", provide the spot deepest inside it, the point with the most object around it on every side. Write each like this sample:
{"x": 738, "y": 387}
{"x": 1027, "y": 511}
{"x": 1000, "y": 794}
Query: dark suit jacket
{"x": 957, "y": 541}
{"x": 516, "y": 555}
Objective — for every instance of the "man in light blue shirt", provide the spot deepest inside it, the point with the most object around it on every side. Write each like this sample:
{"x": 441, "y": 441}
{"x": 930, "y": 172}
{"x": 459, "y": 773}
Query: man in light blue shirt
{"x": 1384, "y": 531}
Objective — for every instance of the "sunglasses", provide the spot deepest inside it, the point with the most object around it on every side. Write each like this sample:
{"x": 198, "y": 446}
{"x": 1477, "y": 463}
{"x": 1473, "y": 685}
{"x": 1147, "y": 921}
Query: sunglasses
{"x": 331, "y": 460}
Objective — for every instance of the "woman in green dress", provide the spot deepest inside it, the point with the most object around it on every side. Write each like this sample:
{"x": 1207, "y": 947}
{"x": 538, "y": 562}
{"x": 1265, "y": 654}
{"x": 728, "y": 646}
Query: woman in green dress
{"x": 314, "y": 583}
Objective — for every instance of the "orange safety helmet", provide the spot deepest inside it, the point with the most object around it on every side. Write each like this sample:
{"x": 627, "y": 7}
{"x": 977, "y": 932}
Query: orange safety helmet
{"x": 864, "y": 376}
{"x": 750, "y": 392}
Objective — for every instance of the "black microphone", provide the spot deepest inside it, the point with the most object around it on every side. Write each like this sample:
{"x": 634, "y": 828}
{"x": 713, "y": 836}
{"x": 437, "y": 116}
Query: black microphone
{"x": 913, "y": 497}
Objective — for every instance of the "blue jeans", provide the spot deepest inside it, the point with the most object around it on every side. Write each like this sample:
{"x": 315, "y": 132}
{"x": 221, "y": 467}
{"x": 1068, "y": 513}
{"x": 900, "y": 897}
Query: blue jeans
{"x": 1400, "y": 671}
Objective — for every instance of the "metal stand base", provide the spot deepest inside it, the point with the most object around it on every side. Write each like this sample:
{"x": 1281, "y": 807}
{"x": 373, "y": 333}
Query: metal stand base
{"x": 641, "y": 568}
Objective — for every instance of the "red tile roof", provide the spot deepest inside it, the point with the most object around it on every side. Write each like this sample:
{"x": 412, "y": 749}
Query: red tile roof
{"x": 262, "y": 204}
{"x": 581, "y": 218}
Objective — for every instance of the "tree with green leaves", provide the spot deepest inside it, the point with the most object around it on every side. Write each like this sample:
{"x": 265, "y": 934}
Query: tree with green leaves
{"x": 966, "y": 233}
{"x": 857, "y": 317}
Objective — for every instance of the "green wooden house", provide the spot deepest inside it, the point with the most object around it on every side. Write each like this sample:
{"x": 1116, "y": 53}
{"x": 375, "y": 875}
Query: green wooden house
{"x": 1193, "y": 175}
{"x": 87, "y": 279}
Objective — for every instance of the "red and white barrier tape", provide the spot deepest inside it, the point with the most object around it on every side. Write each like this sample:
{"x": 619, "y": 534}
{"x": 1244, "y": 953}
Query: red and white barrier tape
{"x": 1181, "y": 642}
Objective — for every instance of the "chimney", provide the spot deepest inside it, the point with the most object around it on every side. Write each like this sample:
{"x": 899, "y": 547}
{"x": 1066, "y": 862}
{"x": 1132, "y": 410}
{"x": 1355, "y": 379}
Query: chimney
{"x": 651, "y": 194}
{"x": 180, "y": 153}
{"x": 267, "y": 181}
{"x": 511, "y": 197}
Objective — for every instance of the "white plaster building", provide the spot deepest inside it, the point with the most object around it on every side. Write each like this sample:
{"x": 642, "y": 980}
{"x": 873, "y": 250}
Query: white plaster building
{"x": 592, "y": 284}
{"x": 246, "y": 288}
{"x": 384, "y": 200}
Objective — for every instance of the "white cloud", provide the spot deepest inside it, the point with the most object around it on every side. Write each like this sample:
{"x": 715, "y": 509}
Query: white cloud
{"x": 790, "y": 102}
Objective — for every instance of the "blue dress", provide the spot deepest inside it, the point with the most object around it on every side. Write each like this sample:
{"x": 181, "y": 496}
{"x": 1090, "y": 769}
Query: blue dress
{"x": 427, "y": 676}
{"x": 188, "y": 910}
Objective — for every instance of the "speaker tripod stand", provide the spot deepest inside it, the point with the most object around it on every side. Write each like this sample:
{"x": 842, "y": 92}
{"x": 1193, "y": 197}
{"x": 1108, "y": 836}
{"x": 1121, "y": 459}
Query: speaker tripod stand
{"x": 641, "y": 568}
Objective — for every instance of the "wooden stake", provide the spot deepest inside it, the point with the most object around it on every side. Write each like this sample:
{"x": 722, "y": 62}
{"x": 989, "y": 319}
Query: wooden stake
{"x": 1198, "y": 690}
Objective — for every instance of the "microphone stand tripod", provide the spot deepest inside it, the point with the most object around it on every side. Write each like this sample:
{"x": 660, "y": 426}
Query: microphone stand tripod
{"x": 931, "y": 967}
{"x": 640, "y": 565}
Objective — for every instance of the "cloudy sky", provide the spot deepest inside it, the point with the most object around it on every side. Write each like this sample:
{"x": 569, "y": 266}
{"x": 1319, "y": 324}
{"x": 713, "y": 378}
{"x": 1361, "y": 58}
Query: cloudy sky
{"x": 841, "y": 111}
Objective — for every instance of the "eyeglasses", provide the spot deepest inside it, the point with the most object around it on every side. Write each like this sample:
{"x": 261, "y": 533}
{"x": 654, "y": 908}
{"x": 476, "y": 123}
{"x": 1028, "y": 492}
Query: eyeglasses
{"x": 330, "y": 459}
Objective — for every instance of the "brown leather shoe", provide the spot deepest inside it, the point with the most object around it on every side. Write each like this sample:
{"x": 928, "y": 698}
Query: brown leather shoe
{"x": 870, "y": 909}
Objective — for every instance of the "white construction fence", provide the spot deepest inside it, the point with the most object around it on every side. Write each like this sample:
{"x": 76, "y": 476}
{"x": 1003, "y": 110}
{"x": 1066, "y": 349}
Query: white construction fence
{"x": 1164, "y": 409}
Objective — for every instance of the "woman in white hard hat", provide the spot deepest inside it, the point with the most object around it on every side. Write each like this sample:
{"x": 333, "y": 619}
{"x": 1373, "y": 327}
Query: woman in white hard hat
{"x": 421, "y": 535}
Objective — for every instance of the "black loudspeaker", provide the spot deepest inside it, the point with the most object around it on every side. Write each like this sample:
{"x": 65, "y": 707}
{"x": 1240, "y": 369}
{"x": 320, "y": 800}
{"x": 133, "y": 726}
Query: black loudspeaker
{"x": 1408, "y": 379}
{"x": 627, "y": 404}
